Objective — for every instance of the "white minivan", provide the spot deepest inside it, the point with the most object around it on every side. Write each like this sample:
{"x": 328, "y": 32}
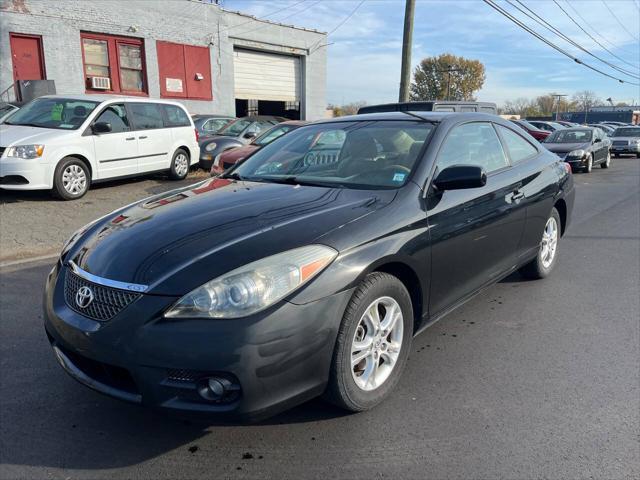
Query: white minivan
{"x": 64, "y": 143}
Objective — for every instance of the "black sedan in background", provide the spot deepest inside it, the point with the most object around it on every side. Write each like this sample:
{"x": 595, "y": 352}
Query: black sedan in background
{"x": 308, "y": 268}
{"x": 235, "y": 134}
{"x": 581, "y": 147}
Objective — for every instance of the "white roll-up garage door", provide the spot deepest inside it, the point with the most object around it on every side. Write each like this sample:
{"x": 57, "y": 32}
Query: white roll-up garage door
{"x": 266, "y": 76}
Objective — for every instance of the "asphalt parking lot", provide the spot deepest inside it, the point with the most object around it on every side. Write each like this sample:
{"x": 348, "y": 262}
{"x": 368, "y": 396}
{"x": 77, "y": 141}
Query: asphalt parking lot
{"x": 530, "y": 380}
{"x": 34, "y": 224}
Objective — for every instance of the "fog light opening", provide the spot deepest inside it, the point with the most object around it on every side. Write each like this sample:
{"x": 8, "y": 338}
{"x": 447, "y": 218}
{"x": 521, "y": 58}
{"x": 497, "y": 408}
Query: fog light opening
{"x": 213, "y": 388}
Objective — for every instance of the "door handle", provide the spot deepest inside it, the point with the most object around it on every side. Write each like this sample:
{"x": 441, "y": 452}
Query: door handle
{"x": 517, "y": 195}
{"x": 130, "y": 138}
{"x": 142, "y": 137}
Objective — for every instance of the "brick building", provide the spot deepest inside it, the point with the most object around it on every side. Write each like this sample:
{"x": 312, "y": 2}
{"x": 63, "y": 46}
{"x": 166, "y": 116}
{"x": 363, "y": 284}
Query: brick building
{"x": 211, "y": 59}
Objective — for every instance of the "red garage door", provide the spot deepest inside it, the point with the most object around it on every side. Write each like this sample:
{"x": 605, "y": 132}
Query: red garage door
{"x": 185, "y": 71}
{"x": 27, "y": 56}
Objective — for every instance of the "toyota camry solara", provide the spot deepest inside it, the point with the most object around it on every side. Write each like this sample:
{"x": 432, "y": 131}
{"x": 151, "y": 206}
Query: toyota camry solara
{"x": 307, "y": 269}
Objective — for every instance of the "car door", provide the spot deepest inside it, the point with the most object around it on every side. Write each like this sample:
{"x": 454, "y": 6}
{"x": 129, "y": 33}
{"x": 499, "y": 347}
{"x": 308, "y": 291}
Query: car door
{"x": 154, "y": 140}
{"x": 601, "y": 147}
{"x": 116, "y": 152}
{"x": 474, "y": 232}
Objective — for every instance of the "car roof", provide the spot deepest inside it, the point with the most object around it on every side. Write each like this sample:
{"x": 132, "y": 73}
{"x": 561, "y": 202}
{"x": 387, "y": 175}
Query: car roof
{"x": 577, "y": 129}
{"x": 212, "y": 115}
{"x": 434, "y": 117}
{"x": 107, "y": 98}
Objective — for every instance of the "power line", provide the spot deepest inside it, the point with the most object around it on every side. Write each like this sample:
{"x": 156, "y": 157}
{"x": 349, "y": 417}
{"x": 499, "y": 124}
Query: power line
{"x": 525, "y": 27}
{"x": 342, "y": 22}
{"x": 297, "y": 12}
{"x": 263, "y": 17}
{"x": 592, "y": 37}
{"x": 551, "y": 28}
{"x": 619, "y": 22}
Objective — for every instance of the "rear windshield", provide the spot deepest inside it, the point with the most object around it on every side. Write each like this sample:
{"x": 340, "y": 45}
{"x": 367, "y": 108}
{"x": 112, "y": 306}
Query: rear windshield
{"x": 627, "y": 132}
{"x": 58, "y": 113}
{"x": 344, "y": 154}
{"x": 570, "y": 136}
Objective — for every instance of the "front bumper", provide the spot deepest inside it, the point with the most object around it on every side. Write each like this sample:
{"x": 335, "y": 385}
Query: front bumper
{"x": 278, "y": 358}
{"x": 622, "y": 149}
{"x": 20, "y": 174}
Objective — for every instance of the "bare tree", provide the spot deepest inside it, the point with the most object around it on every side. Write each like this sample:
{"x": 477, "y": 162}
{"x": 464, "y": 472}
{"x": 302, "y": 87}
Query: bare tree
{"x": 586, "y": 99}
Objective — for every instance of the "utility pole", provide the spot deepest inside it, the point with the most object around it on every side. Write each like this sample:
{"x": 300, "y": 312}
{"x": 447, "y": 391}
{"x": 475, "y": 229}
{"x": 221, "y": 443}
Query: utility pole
{"x": 558, "y": 97}
{"x": 449, "y": 71}
{"x": 407, "y": 41}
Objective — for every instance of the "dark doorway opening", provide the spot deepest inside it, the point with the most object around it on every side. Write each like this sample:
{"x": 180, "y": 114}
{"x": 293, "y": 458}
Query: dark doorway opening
{"x": 290, "y": 110}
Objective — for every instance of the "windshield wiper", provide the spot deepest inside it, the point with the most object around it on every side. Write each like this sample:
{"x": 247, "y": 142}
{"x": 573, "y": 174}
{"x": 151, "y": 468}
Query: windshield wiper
{"x": 293, "y": 180}
{"x": 233, "y": 176}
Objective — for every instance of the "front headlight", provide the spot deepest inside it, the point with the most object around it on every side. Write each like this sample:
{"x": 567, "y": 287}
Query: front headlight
{"x": 577, "y": 153}
{"x": 254, "y": 287}
{"x": 25, "y": 151}
{"x": 210, "y": 146}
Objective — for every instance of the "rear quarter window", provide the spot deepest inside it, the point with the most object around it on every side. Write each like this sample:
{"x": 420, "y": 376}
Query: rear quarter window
{"x": 176, "y": 116}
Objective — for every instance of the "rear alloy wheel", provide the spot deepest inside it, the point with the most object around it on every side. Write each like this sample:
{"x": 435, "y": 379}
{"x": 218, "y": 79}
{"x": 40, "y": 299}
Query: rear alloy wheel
{"x": 373, "y": 343}
{"x": 71, "y": 179}
{"x": 547, "y": 256}
{"x": 589, "y": 166}
{"x": 607, "y": 162}
{"x": 179, "y": 165}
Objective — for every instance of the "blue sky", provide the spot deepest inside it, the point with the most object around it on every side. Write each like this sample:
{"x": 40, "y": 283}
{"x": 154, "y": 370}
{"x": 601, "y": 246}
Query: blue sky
{"x": 363, "y": 60}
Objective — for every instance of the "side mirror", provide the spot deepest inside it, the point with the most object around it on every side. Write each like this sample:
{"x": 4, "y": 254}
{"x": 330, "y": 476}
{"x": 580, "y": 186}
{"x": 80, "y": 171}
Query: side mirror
{"x": 459, "y": 177}
{"x": 597, "y": 140}
{"x": 101, "y": 127}
{"x": 250, "y": 135}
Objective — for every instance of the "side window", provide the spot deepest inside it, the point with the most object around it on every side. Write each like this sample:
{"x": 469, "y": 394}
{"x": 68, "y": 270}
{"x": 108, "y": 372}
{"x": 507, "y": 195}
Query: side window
{"x": 519, "y": 149}
{"x": 261, "y": 126}
{"x": 146, "y": 116}
{"x": 176, "y": 116}
{"x": 473, "y": 144}
{"x": 116, "y": 115}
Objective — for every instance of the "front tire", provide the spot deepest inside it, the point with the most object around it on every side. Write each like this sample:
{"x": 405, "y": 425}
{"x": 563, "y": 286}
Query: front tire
{"x": 607, "y": 162}
{"x": 589, "y": 166}
{"x": 373, "y": 344}
{"x": 179, "y": 165}
{"x": 71, "y": 179}
{"x": 541, "y": 266}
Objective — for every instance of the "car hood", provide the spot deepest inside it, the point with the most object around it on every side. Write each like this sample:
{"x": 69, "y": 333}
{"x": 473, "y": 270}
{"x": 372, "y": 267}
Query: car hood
{"x": 565, "y": 147}
{"x": 179, "y": 240}
{"x": 239, "y": 153}
{"x": 21, "y": 135}
{"x": 626, "y": 139}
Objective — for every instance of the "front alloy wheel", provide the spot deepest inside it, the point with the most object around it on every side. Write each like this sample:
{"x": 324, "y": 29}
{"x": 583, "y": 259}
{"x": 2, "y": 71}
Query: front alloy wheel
{"x": 376, "y": 344}
{"x": 607, "y": 162}
{"x": 589, "y": 166}
{"x": 373, "y": 343}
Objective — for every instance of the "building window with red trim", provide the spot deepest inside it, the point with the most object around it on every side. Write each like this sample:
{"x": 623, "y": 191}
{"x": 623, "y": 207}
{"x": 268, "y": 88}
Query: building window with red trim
{"x": 113, "y": 64}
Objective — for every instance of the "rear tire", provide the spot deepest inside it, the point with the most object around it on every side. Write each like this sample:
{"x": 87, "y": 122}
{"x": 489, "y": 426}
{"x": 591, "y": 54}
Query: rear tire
{"x": 541, "y": 266}
{"x": 71, "y": 179}
{"x": 179, "y": 165}
{"x": 607, "y": 162}
{"x": 373, "y": 344}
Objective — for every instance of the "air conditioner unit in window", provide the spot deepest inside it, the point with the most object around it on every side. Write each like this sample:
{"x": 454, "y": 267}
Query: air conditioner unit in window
{"x": 101, "y": 83}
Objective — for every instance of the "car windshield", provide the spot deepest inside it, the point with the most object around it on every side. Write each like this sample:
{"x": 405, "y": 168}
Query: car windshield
{"x": 627, "y": 132}
{"x": 359, "y": 154}
{"x": 235, "y": 128}
{"x": 271, "y": 134}
{"x": 211, "y": 125}
{"x": 557, "y": 125}
{"x": 570, "y": 136}
{"x": 59, "y": 113}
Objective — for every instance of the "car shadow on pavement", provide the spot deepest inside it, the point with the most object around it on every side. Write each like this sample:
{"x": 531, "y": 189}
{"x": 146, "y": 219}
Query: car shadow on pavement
{"x": 47, "y": 419}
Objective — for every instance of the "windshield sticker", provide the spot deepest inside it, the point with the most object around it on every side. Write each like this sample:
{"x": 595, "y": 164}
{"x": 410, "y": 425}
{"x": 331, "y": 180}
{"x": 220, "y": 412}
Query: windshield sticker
{"x": 399, "y": 177}
{"x": 56, "y": 112}
{"x": 66, "y": 125}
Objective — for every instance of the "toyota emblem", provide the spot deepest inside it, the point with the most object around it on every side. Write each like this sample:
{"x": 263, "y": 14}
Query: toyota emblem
{"x": 84, "y": 297}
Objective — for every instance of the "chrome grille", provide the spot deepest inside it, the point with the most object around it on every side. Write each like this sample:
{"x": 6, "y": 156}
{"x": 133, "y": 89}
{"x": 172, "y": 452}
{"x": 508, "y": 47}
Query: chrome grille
{"x": 107, "y": 302}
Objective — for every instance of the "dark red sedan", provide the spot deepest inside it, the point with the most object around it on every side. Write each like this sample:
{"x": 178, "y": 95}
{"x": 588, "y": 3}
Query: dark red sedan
{"x": 532, "y": 130}
{"x": 234, "y": 155}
